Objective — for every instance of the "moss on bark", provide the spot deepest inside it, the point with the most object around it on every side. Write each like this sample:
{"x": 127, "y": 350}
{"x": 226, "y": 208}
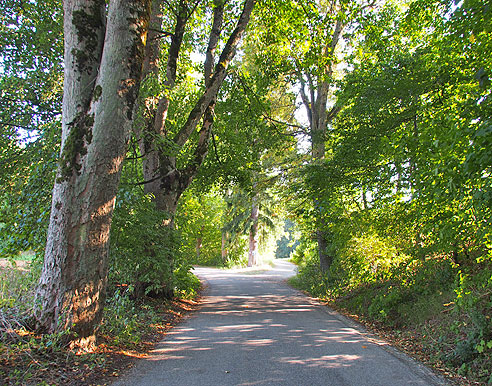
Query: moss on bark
{"x": 89, "y": 24}
{"x": 80, "y": 134}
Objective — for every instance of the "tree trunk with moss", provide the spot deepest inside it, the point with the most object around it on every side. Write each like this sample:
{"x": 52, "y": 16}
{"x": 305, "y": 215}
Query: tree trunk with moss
{"x": 104, "y": 50}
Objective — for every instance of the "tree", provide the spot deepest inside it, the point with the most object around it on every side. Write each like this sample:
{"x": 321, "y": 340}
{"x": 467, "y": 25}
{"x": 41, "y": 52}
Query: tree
{"x": 407, "y": 172}
{"x": 415, "y": 123}
{"x": 164, "y": 177}
{"x": 104, "y": 51}
{"x": 309, "y": 42}
{"x": 173, "y": 104}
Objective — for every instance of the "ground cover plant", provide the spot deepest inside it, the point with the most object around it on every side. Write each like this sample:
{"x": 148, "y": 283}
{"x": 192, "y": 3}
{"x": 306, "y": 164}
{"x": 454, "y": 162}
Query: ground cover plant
{"x": 129, "y": 330}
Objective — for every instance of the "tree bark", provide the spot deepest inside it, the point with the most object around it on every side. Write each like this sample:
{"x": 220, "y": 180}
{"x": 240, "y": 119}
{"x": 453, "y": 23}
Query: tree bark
{"x": 223, "y": 248}
{"x": 103, "y": 63}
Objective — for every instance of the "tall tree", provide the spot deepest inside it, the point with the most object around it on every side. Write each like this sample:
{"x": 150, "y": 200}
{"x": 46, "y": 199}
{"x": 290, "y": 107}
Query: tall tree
{"x": 318, "y": 77}
{"x": 104, "y": 51}
{"x": 310, "y": 45}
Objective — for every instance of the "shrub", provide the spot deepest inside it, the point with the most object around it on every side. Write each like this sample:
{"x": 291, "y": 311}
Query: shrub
{"x": 144, "y": 252}
{"x": 474, "y": 309}
{"x": 365, "y": 259}
{"x": 186, "y": 284}
{"x": 309, "y": 278}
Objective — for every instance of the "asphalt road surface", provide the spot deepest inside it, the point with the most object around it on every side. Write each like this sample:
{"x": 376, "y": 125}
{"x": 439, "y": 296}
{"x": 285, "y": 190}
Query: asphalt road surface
{"x": 253, "y": 329}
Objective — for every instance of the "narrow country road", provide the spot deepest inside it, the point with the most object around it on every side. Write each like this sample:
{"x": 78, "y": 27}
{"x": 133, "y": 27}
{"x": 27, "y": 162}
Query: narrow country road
{"x": 253, "y": 329}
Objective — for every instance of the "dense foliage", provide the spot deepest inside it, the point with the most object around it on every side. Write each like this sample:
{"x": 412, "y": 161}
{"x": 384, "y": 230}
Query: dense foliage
{"x": 30, "y": 107}
{"x": 402, "y": 194}
{"x": 406, "y": 186}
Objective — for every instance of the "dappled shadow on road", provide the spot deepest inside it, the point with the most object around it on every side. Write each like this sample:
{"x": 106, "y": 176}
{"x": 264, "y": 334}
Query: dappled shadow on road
{"x": 253, "y": 330}
{"x": 263, "y": 322}
{"x": 266, "y": 331}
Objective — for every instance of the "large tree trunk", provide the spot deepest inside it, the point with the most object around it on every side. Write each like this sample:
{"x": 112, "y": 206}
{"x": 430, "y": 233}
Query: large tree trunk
{"x": 318, "y": 132}
{"x": 103, "y": 62}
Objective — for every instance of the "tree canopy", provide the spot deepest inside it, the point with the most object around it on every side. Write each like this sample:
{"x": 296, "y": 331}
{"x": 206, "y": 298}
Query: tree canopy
{"x": 363, "y": 127}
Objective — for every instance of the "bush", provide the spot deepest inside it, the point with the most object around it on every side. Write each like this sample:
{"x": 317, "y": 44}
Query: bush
{"x": 199, "y": 219}
{"x": 474, "y": 311}
{"x": 16, "y": 288}
{"x": 144, "y": 252}
{"x": 385, "y": 305}
{"x": 371, "y": 265}
{"x": 186, "y": 284}
{"x": 364, "y": 260}
{"x": 309, "y": 277}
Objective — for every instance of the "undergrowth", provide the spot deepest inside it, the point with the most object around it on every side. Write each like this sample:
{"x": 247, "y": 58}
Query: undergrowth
{"x": 442, "y": 310}
{"x": 28, "y": 358}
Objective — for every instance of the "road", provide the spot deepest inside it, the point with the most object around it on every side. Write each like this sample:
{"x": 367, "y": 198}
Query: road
{"x": 253, "y": 329}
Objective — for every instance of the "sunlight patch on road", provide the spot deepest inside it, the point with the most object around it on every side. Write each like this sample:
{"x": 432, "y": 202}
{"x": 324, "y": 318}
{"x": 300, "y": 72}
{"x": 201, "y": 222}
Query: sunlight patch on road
{"x": 258, "y": 342}
{"x": 238, "y": 327}
{"x": 326, "y": 361}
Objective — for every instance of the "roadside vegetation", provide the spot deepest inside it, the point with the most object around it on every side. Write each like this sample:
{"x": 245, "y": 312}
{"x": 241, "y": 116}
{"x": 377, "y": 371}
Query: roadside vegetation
{"x": 403, "y": 199}
{"x": 129, "y": 329}
{"x": 431, "y": 308}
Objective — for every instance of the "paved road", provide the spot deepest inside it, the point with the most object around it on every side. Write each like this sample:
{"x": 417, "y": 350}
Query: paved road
{"x": 254, "y": 330}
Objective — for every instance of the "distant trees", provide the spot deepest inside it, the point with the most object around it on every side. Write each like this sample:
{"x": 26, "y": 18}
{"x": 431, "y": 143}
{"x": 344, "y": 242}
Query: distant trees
{"x": 252, "y": 215}
{"x": 307, "y": 46}
{"x": 288, "y": 242}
